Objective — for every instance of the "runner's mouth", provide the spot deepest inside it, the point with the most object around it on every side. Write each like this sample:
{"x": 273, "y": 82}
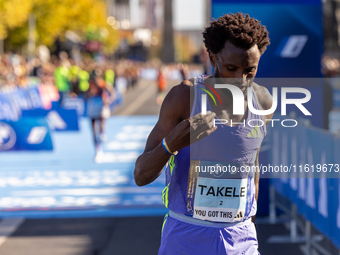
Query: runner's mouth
{"x": 243, "y": 88}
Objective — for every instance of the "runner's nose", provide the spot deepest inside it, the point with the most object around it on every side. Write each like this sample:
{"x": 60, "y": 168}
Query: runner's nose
{"x": 241, "y": 80}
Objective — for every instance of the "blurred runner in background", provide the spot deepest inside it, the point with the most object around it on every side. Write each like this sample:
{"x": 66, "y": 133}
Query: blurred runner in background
{"x": 99, "y": 97}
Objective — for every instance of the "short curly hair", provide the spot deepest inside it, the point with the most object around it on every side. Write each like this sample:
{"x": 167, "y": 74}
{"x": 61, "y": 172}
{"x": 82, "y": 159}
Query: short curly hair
{"x": 241, "y": 30}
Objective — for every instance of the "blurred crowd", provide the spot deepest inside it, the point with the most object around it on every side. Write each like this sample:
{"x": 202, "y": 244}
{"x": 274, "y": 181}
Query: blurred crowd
{"x": 73, "y": 77}
{"x": 330, "y": 66}
{"x": 63, "y": 72}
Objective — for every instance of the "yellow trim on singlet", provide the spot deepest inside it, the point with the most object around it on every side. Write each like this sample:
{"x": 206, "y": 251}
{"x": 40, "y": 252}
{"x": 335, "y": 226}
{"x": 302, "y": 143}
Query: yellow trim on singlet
{"x": 164, "y": 220}
{"x": 172, "y": 163}
{"x": 255, "y": 132}
{"x": 165, "y": 192}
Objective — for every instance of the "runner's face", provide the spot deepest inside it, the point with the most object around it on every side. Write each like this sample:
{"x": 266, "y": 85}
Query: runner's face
{"x": 239, "y": 65}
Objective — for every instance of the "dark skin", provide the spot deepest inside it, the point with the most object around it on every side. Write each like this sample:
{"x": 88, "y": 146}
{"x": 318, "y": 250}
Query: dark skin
{"x": 181, "y": 130}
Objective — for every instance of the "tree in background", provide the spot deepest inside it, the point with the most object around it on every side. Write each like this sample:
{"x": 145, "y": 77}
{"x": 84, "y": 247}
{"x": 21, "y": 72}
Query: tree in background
{"x": 53, "y": 19}
{"x": 185, "y": 48}
{"x": 13, "y": 13}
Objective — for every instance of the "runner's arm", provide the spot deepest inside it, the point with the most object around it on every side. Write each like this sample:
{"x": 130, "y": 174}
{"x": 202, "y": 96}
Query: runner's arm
{"x": 177, "y": 128}
{"x": 150, "y": 164}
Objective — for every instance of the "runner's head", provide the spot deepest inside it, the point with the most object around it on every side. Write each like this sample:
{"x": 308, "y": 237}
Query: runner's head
{"x": 235, "y": 43}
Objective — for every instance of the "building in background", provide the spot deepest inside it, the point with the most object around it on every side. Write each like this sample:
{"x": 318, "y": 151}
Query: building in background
{"x": 141, "y": 24}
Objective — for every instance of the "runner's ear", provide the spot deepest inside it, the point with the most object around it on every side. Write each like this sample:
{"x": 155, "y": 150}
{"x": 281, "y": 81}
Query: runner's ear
{"x": 212, "y": 58}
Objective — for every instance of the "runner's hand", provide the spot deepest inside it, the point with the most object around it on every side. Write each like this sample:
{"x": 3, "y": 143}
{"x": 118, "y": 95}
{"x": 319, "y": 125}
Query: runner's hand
{"x": 191, "y": 130}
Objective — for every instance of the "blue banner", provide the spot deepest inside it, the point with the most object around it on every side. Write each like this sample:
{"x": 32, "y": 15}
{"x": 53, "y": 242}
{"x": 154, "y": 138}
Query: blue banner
{"x": 25, "y": 134}
{"x": 7, "y": 109}
{"x": 295, "y": 32}
{"x": 309, "y": 2}
{"x": 59, "y": 119}
{"x": 12, "y": 104}
{"x": 26, "y": 99}
{"x": 296, "y": 42}
{"x": 74, "y": 104}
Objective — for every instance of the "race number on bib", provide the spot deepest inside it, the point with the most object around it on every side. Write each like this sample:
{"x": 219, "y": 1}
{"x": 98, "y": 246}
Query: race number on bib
{"x": 217, "y": 191}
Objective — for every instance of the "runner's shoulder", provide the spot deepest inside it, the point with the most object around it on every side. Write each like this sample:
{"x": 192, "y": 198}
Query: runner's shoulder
{"x": 263, "y": 95}
{"x": 178, "y": 99}
{"x": 180, "y": 93}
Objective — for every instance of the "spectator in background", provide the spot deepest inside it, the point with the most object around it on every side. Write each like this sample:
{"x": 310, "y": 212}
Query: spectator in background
{"x": 37, "y": 70}
{"x": 84, "y": 76}
{"x": 184, "y": 71}
{"x": 162, "y": 85}
{"x": 74, "y": 78}
{"x": 61, "y": 79}
{"x": 330, "y": 69}
{"x": 204, "y": 60}
{"x": 121, "y": 81}
{"x": 110, "y": 76}
{"x": 134, "y": 76}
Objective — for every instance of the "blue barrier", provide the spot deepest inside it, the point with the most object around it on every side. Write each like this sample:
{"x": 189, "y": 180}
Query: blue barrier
{"x": 28, "y": 102}
{"x": 12, "y": 104}
{"x": 7, "y": 110}
{"x": 25, "y": 134}
{"x": 74, "y": 104}
{"x": 316, "y": 195}
{"x": 81, "y": 105}
{"x": 59, "y": 119}
{"x": 30, "y": 99}
{"x": 334, "y": 203}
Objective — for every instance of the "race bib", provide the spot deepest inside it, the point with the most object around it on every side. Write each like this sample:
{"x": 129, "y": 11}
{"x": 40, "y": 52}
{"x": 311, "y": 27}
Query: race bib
{"x": 217, "y": 191}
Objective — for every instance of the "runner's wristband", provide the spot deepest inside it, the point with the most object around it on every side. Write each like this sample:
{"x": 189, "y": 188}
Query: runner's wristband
{"x": 166, "y": 148}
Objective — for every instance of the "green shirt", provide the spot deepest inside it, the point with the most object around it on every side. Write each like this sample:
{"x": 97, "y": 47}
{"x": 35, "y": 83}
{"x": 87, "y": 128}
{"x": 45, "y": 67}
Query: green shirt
{"x": 84, "y": 80}
{"x": 60, "y": 75}
{"x": 109, "y": 76}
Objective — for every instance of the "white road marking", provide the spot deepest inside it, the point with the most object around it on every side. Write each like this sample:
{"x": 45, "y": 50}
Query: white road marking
{"x": 110, "y": 157}
{"x": 86, "y": 191}
{"x": 8, "y": 227}
{"x": 115, "y": 145}
{"x": 73, "y": 178}
{"x": 129, "y": 137}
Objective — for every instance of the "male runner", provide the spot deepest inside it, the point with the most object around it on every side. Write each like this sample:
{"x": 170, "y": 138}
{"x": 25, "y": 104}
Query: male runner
{"x": 98, "y": 98}
{"x": 211, "y": 213}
